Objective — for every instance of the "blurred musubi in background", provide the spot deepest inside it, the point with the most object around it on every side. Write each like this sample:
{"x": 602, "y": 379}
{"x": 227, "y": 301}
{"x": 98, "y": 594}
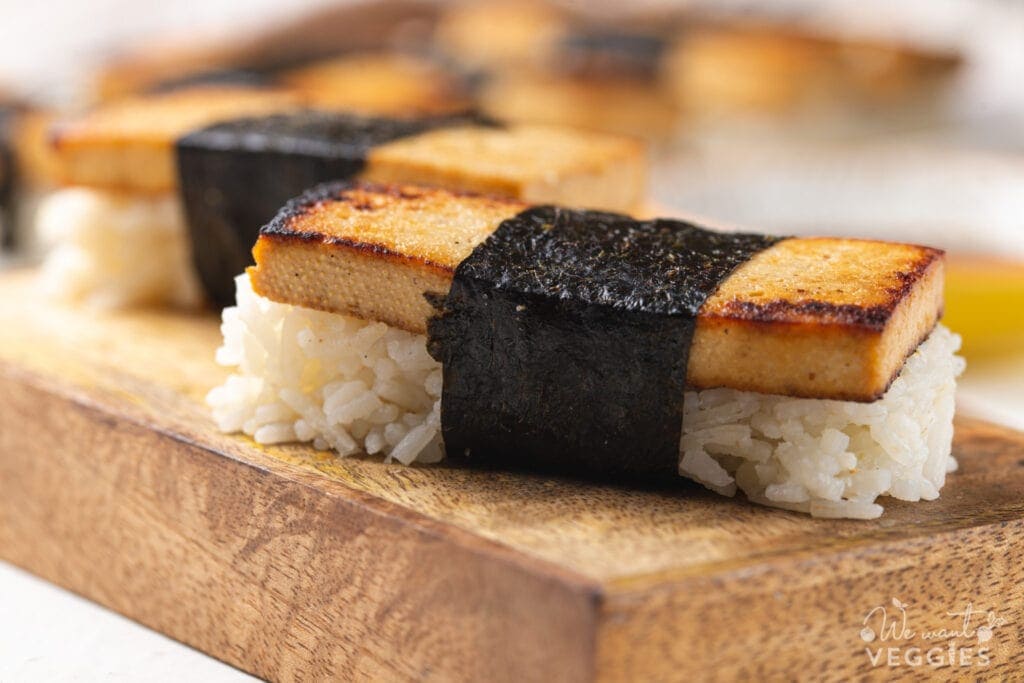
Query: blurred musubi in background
{"x": 857, "y": 118}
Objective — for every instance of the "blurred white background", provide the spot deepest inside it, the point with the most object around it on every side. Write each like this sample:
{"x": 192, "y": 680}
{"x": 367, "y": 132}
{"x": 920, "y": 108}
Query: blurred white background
{"x": 47, "y": 49}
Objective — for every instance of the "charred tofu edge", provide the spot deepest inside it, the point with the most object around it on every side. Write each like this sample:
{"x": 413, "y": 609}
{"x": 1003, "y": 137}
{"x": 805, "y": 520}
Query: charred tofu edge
{"x": 816, "y": 349}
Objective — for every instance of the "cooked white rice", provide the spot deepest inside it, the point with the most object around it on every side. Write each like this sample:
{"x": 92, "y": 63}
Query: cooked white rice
{"x": 356, "y": 386}
{"x": 335, "y": 381}
{"x": 830, "y": 458}
{"x": 112, "y": 250}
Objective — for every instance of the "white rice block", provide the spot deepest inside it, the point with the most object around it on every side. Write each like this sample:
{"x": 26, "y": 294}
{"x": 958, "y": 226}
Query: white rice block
{"x": 830, "y": 458}
{"x": 110, "y": 250}
{"x": 363, "y": 387}
{"x": 336, "y": 382}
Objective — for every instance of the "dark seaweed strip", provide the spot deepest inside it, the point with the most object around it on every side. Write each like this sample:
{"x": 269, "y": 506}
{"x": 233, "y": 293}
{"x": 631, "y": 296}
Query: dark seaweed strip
{"x": 610, "y": 53}
{"x": 235, "y": 175}
{"x": 7, "y": 178}
{"x": 565, "y": 339}
{"x": 6, "y": 196}
{"x": 227, "y": 76}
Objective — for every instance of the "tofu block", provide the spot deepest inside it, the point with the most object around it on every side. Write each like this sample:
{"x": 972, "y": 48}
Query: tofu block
{"x": 763, "y": 69}
{"x": 538, "y": 164}
{"x": 820, "y": 318}
{"x": 615, "y": 105}
{"x": 379, "y": 83}
{"x": 129, "y": 145}
{"x": 500, "y": 35}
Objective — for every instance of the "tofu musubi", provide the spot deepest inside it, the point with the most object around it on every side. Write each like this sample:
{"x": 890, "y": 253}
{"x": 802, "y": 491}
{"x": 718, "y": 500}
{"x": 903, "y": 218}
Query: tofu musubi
{"x": 414, "y": 323}
{"x": 163, "y": 194}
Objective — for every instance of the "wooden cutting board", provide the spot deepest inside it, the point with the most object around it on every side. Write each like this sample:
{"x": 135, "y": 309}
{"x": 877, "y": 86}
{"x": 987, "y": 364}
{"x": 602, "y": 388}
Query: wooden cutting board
{"x": 293, "y": 564}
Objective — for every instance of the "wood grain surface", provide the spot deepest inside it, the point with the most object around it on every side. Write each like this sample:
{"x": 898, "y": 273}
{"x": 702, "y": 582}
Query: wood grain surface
{"x": 293, "y": 564}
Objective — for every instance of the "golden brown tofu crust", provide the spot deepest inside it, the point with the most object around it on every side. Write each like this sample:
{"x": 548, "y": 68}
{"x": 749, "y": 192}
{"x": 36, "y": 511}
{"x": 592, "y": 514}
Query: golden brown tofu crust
{"x": 819, "y": 317}
{"x": 501, "y": 35}
{"x": 373, "y": 251}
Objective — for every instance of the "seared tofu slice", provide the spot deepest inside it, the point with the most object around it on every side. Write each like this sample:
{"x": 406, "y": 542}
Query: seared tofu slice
{"x": 500, "y": 35}
{"x": 379, "y": 83}
{"x": 129, "y": 145}
{"x": 819, "y": 318}
{"x": 616, "y": 105}
{"x": 539, "y": 164}
{"x": 373, "y": 252}
{"x": 772, "y": 70}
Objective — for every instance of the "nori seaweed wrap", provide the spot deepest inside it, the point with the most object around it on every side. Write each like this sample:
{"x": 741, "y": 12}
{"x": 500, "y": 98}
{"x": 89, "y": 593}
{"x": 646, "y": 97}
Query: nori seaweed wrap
{"x": 235, "y": 175}
{"x": 565, "y": 338}
{"x": 8, "y": 181}
{"x": 210, "y": 77}
{"x": 603, "y": 53}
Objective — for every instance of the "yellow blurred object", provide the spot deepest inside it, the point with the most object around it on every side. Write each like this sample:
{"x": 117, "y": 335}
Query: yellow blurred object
{"x": 985, "y": 305}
